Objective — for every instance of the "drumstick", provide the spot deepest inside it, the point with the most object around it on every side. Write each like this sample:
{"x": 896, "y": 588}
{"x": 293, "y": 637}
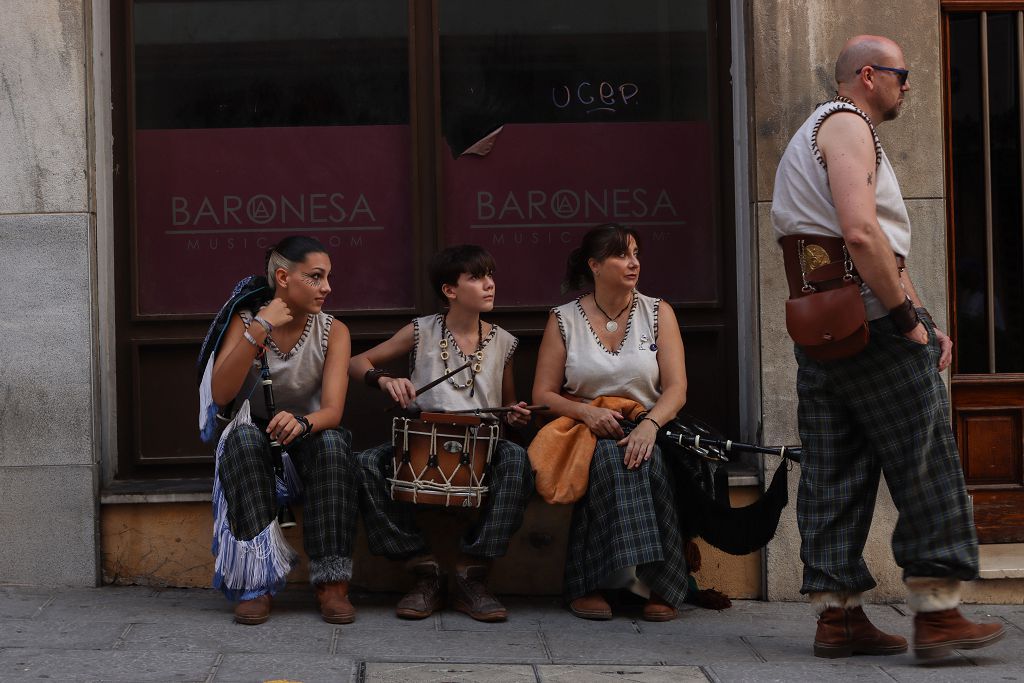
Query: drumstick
{"x": 433, "y": 383}
{"x": 509, "y": 409}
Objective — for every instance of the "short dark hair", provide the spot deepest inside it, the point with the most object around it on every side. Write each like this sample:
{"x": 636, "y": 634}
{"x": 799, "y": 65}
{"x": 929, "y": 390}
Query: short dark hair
{"x": 448, "y": 264}
{"x": 600, "y": 242}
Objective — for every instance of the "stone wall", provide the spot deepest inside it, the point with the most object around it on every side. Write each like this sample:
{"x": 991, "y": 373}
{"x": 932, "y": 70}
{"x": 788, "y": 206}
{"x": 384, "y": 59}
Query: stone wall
{"x": 48, "y": 473}
{"x": 794, "y": 46}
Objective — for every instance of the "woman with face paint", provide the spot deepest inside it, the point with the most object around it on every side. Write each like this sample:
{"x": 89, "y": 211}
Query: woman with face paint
{"x": 307, "y": 352}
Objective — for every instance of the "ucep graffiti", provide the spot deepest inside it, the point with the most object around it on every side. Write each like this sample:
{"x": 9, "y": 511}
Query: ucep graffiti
{"x": 600, "y": 96}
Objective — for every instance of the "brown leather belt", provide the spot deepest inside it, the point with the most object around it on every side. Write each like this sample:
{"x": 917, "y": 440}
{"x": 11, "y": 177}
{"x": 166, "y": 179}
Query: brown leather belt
{"x": 823, "y": 262}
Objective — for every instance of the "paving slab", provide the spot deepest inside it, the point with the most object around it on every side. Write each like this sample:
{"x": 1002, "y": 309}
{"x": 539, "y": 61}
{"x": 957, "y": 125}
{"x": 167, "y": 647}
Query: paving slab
{"x": 1012, "y": 614}
{"x": 812, "y": 672}
{"x": 19, "y": 604}
{"x": 536, "y": 615}
{"x": 239, "y": 668}
{"x": 449, "y": 673}
{"x": 229, "y": 637}
{"x": 384, "y": 645}
{"x": 583, "y": 648}
{"x": 113, "y": 666}
{"x": 955, "y": 671}
{"x": 78, "y": 635}
{"x": 577, "y": 673}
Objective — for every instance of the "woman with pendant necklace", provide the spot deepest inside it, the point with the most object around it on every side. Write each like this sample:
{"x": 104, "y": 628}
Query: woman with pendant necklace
{"x": 463, "y": 277}
{"x": 617, "y": 342}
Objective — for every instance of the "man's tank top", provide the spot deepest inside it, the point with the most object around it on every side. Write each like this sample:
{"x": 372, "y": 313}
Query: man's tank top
{"x": 802, "y": 203}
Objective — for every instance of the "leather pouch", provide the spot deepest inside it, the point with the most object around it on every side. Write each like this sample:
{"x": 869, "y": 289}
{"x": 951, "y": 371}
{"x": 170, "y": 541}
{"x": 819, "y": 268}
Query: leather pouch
{"x": 830, "y": 324}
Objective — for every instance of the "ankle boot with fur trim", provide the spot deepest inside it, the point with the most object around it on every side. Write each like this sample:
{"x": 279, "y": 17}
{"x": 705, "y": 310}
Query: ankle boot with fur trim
{"x": 844, "y": 629}
{"x": 939, "y": 627}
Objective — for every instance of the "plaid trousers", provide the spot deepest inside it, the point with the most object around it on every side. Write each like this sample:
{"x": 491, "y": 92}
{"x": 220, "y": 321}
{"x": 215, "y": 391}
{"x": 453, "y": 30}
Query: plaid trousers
{"x": 626, "y": 518}
{"x": 328, "y": 473}
{"x": 884, "y": 410}
{"x": 391, "y": 525}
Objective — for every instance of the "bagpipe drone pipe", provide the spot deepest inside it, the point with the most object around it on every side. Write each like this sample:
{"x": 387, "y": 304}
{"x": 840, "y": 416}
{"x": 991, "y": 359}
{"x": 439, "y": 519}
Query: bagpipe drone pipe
{"x": 697, "y": 454}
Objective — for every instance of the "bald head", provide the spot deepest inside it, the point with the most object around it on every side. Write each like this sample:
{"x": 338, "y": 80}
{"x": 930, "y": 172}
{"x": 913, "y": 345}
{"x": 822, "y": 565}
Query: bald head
{"x": 862, "y": 50}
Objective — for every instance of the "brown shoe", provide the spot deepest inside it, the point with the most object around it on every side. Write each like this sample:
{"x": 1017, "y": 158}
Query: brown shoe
{"x": 591, "y": 606}
{"x": 937, "y": 634}
{"x": 252, "y": 612}
{"x": 657, "y": 609}
{"x": 335, "y": 607}
{"x": 845, "y": 632}
{"x": 472, "y": 596}
{"x": 428, "y": 593}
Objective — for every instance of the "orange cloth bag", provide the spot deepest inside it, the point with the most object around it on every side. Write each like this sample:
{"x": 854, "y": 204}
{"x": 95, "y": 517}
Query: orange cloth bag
{"x": 561, "y": 452}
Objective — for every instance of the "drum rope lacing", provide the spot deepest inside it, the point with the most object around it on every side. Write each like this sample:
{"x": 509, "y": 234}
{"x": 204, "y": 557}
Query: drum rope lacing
{"x": 471, "y": 495}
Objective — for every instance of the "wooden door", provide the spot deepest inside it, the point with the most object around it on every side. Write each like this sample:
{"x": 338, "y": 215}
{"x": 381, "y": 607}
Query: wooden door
{"x": 985, "y": 174}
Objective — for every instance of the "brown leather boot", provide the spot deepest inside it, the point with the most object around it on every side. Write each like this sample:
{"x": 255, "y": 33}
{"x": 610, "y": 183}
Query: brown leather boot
{"x": 657, "y": 609}
{"x": 845, "y": 632}
{"x": 428, "y": 593}
{"x": 335, "y": 607}
{"x": 591, "y": 606}
{"x": 937, "y": 634}
{"x": 252, "y": 612}
{"x": 471, "y": 594}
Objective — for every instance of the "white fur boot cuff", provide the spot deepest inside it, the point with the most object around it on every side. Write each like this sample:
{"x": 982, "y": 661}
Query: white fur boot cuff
{"x": 823, "y": 601}
{"x": 931, "y": 594}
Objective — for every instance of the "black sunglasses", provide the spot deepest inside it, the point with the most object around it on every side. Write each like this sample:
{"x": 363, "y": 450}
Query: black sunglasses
{"x": 902, "y": 74}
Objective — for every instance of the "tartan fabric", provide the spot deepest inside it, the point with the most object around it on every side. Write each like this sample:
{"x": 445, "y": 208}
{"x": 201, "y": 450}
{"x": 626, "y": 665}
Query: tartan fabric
{"x": 391, "y": 526}
{"x": 627, "y": 518}
{"x": 885, "y": 410}
{"x": 327, "y": 469}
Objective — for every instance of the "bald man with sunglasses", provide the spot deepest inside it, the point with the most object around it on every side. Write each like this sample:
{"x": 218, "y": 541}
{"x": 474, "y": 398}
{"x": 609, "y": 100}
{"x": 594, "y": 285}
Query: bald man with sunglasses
{"x": 883, "y": 409}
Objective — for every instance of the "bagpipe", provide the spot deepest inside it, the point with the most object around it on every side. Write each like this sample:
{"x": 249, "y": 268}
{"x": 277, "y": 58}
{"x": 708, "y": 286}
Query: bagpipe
{"x": 264, "y": 561}
{"x": 697, "y": 454}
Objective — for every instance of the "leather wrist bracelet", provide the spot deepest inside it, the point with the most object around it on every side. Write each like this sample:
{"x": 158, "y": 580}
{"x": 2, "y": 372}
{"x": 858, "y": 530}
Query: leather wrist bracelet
{"x": 904, "y": 316}
{"x": 373, "y": 375}
{"x": 648, "y": 417}
{"x": 306, "y": 426}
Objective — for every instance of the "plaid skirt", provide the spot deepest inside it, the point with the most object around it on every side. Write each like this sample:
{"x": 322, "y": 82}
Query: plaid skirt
{"x": 885, "y": 410}
{"x": 391, "y": 525}
{"x": 627, "y": 518}
{"x": 328, "y": 472}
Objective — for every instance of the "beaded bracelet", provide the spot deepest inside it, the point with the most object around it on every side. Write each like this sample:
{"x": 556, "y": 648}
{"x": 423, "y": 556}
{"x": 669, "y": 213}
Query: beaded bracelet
{"x": 252, "y": 340}
{"x": 266, "y": 325}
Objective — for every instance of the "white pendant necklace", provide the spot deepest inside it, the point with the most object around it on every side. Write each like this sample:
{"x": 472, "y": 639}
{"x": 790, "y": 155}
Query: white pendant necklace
{"x": 611, "y": 325}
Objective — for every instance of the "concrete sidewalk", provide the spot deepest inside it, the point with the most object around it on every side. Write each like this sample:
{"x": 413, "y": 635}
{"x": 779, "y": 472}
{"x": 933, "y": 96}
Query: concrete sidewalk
{"x": 140, "y": 634}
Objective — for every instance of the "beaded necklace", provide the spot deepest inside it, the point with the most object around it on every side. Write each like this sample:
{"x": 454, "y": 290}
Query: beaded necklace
{"x": 477, "y": 356}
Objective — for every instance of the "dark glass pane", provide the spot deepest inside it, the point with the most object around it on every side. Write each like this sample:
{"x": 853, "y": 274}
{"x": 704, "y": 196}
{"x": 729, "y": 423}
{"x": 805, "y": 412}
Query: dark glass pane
{"x": 270, "y": 63}
{"x": 539, "y": 61}
{"x": 1006, "y": 190}
{"x": 258, "y": 120}
{"x": 968, "y": 198}
{"x": 600, "y": 111}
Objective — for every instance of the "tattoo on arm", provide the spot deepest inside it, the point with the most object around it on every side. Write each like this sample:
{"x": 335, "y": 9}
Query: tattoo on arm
{"x": 870, "y": 176}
